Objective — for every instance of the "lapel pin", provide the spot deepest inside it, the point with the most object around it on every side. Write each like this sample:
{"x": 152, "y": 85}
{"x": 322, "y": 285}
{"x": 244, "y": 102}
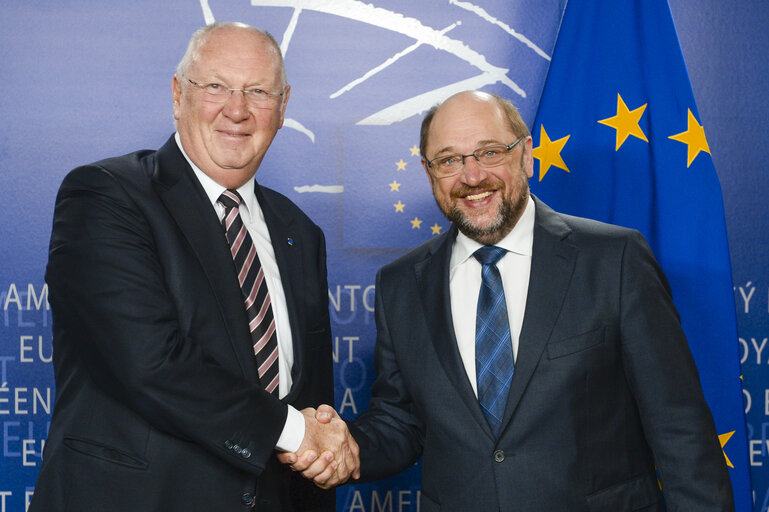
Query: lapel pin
{"x": 290, "y": 241}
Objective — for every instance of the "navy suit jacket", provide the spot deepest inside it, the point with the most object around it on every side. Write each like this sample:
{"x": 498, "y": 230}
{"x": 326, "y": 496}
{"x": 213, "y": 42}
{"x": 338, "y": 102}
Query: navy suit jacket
{"x": 604, "y": 389}
{"x": 158, "y": 402}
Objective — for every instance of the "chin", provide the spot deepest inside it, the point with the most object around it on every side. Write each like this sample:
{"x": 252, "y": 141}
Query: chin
{"x": 487, "y": 228}
{"x": 487, "y": 223}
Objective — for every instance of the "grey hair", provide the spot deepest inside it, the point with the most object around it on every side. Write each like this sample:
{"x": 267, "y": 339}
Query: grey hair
{"x": 202, "y": 34}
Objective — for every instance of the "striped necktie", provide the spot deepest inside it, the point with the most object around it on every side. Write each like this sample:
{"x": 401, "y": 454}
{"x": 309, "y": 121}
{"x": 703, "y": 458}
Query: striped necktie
{"x": 493, "y": 344}
{"x": 261, "y": 321}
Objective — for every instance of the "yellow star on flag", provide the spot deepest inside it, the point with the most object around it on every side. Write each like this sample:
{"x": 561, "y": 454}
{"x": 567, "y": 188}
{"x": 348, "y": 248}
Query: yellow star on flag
{"x": 401, "y": 165}
{"x": 694, "y": 138}
{"x": 436, "y": 229}
{"x": 399, "y": 206}
{"x": 626, "y": 122}
{"x": 723, "y": 439}
{"x": 414, "y": 150}
{"x": 395, "y": 186}
{"x": 549, "y": 152}
{"x": 416, "y": 223}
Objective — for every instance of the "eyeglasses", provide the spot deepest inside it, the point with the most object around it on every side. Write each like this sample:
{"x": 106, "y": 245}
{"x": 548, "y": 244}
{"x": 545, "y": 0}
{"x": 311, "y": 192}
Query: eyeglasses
{"x": 487, "y": 156}
{"x": 254, "y": 96}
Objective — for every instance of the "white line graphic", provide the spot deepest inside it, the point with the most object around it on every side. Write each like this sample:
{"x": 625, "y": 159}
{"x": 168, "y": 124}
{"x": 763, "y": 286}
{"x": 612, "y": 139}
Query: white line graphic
{"x": 325, "y": 189}
{"x": 481, "y": 12}
{"x": 208, "y": 15}
{"x": 296, "y": 125}
{"x": 386, "y": 63}
{"x": 411, "y": 27}
{"x": 288, "y": 34}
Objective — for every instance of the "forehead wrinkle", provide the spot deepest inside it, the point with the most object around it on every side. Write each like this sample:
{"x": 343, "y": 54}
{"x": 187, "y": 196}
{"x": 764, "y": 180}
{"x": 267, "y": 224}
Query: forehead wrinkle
{"x": 253, "y": 63}
{"x": 488, "y": 142}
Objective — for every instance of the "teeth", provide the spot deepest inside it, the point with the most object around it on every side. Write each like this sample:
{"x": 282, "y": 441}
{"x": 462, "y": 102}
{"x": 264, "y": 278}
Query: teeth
{"x": 478, "y": 197}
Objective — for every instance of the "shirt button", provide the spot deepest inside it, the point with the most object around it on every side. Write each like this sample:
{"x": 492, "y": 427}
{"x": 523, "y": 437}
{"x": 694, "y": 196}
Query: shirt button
{"x": 499, "y": 455}
{"x": 247, "y": 498}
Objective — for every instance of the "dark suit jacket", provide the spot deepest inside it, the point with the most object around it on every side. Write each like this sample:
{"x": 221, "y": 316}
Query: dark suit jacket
{"x": 604, "y": 387}
{"x": 158, "y": 402}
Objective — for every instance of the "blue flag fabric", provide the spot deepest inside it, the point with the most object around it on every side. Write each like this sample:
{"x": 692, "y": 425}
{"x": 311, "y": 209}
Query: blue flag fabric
{"x": 618, "y": 138}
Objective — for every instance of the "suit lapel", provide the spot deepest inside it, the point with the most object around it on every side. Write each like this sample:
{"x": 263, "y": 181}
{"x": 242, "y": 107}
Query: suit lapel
{"x": 189, "y": 206}
{"x": 432, "y": 276}
{"x": 287, "y": 247}
{"x": 552, "y": 265}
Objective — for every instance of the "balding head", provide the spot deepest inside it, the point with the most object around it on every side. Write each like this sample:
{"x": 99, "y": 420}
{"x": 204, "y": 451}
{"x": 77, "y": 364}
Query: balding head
{"x": 506, "y": 109}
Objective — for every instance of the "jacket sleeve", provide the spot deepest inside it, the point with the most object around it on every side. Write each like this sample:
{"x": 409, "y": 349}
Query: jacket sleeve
{"x": 665, "y": 383}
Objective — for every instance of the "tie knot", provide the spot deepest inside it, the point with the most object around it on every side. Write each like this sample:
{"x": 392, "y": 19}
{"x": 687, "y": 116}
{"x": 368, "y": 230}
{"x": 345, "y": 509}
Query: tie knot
{"x": 230, "y": 199}
{"x": 489, "y": 254}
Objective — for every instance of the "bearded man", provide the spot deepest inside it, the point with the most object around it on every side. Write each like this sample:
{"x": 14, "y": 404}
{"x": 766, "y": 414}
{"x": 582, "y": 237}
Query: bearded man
{"x": 534, "y": 360}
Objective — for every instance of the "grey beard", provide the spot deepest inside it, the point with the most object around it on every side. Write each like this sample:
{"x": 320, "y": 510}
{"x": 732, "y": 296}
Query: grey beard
{"x": 506, "y": 218}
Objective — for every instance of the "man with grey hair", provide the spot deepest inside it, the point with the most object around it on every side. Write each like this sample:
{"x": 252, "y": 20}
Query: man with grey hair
{"x": 190, "y": 309}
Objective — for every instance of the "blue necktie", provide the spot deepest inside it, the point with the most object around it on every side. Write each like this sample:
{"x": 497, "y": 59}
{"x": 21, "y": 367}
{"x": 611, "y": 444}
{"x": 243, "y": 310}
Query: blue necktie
{"x": 493, "y": 344}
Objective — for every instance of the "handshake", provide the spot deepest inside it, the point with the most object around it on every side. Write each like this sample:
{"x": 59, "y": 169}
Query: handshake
{"x": 328, "y": 455}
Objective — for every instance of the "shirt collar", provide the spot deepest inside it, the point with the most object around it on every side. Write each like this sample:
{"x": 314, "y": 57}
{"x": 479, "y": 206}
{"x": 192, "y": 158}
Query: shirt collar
{"x": 213, "y": 189}
{"x": 519, "y": 240}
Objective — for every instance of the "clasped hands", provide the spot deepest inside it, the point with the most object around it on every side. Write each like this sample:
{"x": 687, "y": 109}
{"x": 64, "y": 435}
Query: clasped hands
{"x": 328, "y": 455}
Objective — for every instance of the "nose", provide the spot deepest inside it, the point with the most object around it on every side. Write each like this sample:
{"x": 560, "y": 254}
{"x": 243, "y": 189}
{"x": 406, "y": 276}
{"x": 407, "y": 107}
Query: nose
{"x": 236, "y": 107}
{"x": 472, "y": 172}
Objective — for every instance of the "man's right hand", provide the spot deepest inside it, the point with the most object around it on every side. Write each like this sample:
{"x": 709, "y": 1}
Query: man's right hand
{"x": 325, "y": 434}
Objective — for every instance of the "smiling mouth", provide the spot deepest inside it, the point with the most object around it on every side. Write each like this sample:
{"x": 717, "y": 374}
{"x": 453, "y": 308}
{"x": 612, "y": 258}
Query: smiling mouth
{"x": 478, "y": 197}
{"x": 233, "y": 134}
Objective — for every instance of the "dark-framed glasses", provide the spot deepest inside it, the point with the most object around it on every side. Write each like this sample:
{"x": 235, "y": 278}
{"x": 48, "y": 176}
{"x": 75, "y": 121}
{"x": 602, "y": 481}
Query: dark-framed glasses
{"x": 487, "y": 156}
{"x": 256, "y": 97}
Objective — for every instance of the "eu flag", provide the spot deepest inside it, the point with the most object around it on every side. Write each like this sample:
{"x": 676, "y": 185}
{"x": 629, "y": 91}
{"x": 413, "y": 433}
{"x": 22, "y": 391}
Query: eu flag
{"x": 618, "y": 138}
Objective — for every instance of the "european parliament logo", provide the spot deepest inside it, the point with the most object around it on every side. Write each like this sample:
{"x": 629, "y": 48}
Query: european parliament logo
{"x": 362, "y": 76}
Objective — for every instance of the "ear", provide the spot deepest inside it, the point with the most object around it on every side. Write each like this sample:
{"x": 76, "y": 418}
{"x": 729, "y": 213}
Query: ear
{"x": 283, "y": 104}
{"x": 528, "y": 157}
{"x": 176, "y": 92}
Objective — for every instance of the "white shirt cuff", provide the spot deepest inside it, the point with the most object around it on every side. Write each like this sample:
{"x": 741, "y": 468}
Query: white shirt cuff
{"x": 293, "y": 432}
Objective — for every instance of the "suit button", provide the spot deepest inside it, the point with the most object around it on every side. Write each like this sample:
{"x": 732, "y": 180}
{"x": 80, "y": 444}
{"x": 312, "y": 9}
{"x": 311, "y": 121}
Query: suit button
{"x": 247, "y": 498}
{"x": 237, "y": 449}
{"x": 499, "y": 455}
{"x": 246, "y": 453}
{"x": 228, "y": 444}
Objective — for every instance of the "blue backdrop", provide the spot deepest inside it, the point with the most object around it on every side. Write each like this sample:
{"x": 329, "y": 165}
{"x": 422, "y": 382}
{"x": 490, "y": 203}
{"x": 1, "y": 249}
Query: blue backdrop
{"x": 86, "y": 80}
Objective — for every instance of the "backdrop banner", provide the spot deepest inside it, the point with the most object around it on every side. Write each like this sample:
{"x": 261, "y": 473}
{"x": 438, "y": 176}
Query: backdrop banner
{"x": 89, "y": 79}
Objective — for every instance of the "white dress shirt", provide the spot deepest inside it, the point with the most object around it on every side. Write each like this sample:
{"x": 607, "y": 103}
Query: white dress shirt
{"x": 465, "y": 284}
{"x": 253, "y": 218}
